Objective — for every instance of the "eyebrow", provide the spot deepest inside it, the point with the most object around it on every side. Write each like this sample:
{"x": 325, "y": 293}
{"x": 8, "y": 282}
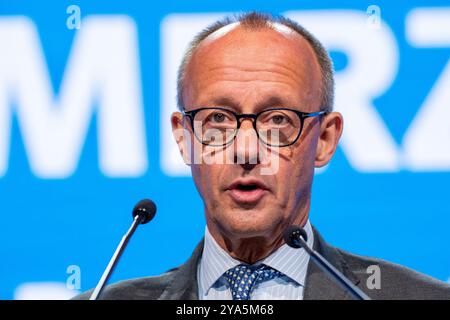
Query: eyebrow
{"x": 272, "y": 101}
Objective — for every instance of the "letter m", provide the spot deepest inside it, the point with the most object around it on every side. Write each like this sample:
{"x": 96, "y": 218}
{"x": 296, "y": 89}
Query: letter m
{"x": 102, "y": 76}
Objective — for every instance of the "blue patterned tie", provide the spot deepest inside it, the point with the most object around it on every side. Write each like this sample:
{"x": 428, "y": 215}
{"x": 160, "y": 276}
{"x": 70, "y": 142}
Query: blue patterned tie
{"x": 243, "y": 278}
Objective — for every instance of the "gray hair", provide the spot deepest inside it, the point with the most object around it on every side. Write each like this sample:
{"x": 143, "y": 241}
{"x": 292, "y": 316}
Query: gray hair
{"x": 256, "y": 20}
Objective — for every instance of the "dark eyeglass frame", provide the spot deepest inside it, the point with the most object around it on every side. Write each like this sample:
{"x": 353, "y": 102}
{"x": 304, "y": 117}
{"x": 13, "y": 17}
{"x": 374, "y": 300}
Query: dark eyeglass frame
{"x": 254, "y": 116}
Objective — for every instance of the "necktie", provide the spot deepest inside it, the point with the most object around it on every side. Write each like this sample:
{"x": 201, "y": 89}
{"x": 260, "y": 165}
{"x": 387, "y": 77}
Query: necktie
{"x": 243, "y": 278}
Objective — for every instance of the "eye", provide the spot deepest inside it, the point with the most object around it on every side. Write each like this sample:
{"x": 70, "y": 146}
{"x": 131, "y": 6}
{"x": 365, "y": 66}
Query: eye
{"x": 278, "y": 119}
{"x": 218, "y": 117}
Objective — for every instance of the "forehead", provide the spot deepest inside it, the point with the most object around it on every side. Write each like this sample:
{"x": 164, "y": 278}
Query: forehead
{"x": 246, "y": 58}
{"x": 234, "y": 43}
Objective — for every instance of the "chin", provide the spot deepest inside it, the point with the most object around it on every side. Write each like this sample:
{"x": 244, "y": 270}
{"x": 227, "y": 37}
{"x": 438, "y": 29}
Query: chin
{"x": 245, "y": 224}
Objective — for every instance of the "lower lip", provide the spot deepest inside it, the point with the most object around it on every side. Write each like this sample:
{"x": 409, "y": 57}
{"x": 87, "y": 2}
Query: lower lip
{"x": 247, "y": 196}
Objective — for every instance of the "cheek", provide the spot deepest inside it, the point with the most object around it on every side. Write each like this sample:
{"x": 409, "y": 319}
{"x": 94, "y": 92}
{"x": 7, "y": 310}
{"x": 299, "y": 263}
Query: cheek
{"x": 208, "y": 167}
{"x": 296, "y": 168}
{"x": 207, "y": 178}
{"x": 288, "y": 178}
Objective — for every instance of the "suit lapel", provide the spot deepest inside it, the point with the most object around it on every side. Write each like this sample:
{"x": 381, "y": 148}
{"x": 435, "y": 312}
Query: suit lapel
{"x": 318, "y": 286}
{"x": 183, "y": 285}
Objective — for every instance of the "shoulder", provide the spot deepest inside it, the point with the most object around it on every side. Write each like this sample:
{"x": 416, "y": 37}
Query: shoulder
{"x": 176, "y": 283}
{"x": 394, "y": 281}
{"x": 146, "y": 288}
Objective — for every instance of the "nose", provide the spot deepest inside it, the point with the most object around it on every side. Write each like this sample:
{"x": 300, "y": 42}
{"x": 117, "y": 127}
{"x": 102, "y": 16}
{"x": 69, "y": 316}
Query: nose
{"x": 246, "y": 145}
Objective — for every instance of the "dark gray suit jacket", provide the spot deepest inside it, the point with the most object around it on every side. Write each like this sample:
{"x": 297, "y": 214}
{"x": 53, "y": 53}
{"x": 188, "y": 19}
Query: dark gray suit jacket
{"x": 397, "y": 282}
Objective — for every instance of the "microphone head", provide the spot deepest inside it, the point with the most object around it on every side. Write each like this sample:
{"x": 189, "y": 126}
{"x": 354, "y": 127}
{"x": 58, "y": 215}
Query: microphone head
{"x": 146, "y": 209}
{"x": 292, "y": 234}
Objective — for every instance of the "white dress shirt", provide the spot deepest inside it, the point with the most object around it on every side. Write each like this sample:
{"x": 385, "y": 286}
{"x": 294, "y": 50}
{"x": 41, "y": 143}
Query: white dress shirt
{"x": 292, "y": 263}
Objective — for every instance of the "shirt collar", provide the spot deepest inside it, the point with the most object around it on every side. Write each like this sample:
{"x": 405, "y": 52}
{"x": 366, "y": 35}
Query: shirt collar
{"x": 289, "y": 261}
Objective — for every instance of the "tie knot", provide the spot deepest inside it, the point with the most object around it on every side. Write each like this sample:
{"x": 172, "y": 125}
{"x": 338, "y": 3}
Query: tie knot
{"x": 243, "y": 278}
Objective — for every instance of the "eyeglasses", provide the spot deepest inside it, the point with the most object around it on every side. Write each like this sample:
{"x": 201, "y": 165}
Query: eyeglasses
{"x": 276, "y": 127}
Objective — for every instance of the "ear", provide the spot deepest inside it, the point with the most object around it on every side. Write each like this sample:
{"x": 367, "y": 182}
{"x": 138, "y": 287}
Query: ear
{"x": 330, "y": 132}
{"x": 181, "y": 136}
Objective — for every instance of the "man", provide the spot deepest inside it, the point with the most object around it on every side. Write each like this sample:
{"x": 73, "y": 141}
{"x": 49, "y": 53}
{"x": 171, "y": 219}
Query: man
{"x": 256, "y": 97}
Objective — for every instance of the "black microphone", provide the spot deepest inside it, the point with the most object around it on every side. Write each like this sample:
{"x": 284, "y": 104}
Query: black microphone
{"x": 296, "y": 237}
{"x": 143, "y": 212}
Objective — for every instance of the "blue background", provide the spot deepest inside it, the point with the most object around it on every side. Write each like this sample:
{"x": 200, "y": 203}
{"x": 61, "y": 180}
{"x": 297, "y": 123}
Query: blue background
{"x": 48, "y": 224}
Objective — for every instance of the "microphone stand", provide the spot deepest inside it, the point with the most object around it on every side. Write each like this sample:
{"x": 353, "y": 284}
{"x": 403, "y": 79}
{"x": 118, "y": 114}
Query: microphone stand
{"x": 329, "y": 269}
{"x": 115, "y": 258}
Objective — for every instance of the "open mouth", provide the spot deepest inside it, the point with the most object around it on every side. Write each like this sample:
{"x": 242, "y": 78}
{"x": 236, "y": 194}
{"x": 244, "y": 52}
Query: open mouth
{"x": 248, "y": 192}
{"x": 248, "y": 187}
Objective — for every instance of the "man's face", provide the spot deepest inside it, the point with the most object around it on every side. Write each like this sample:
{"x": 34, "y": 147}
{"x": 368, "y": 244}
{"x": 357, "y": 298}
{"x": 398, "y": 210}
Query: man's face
{"x": 248, "y": 71}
